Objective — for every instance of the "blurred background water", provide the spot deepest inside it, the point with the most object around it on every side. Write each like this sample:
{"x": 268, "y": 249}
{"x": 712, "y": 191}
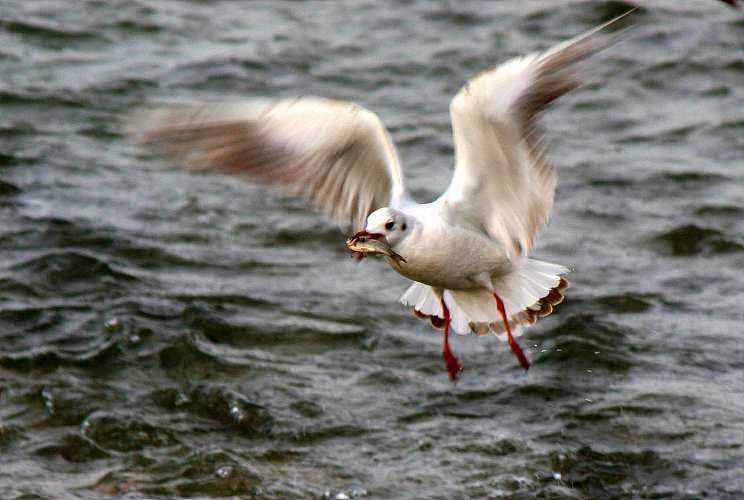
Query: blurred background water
{"x": 166, "y": 335}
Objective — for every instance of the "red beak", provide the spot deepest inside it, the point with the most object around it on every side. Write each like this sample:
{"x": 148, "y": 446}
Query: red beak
{"x": 364, "y": 232}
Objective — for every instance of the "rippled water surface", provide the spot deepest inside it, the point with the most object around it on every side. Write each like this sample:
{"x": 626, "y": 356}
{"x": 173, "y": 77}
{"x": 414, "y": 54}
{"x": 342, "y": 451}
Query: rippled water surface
{"x": 166, "y": 335}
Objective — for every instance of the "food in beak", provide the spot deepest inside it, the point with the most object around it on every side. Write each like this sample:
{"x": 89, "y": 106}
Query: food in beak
{"x": 364, "y": 243}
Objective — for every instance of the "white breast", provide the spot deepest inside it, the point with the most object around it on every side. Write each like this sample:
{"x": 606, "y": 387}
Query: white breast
{"x": 447, "y": 256}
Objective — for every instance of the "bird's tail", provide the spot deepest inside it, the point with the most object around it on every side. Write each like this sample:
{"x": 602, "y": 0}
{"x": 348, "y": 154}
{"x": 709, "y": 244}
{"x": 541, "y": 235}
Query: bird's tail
{"x": 531, "y": 291}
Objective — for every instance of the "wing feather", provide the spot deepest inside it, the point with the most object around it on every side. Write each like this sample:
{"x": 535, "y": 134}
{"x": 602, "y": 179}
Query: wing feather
{"x": 337, "y": 154}
{"x": 503, "y": 183}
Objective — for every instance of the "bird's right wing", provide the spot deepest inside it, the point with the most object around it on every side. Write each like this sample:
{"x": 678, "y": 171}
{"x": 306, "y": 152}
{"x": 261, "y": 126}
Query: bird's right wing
{"x": 336, "y": 153}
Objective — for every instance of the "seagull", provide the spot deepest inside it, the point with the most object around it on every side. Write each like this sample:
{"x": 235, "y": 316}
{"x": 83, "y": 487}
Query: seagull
{"x": 467, "y": 252}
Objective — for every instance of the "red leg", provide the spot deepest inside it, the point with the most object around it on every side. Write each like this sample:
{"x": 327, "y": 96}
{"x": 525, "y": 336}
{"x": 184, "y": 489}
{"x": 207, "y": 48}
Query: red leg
{"x": 453, "y": 364}
{"x": 512, "y": 343}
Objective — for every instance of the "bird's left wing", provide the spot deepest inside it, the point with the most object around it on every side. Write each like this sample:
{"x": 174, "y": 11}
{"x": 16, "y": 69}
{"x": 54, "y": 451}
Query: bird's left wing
{"x": 503, "y": 183}
{"x": 335, "y": 153}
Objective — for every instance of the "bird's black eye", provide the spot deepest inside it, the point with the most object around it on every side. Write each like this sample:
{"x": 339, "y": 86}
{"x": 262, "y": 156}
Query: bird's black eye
{"x": 390, "y": 225}
{"x": 403, "y": 227}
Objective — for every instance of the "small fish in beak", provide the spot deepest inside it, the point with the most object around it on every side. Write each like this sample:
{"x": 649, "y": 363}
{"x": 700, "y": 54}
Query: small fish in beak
{"x": 364, "y": 243}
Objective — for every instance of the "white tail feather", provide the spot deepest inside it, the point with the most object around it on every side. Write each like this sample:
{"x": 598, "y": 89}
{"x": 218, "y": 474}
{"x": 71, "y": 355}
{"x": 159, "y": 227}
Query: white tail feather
{"x": 519, "y": 290}
{"x": 422, "y": 298}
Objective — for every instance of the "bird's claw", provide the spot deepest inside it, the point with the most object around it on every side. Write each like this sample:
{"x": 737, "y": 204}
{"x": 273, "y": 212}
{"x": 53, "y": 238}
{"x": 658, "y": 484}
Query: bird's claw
{"x": 454, "y": 367}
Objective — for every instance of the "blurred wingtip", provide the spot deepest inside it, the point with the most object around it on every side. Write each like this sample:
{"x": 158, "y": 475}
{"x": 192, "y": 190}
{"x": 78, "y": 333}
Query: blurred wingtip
{"x": 135, "y": 123}
{"x": 145, "y": 122}
{"x": 139, "y": 122}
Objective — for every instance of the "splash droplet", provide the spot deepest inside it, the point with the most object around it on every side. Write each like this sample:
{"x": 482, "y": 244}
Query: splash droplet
{"x": 237, "y": 412}
{"x": 224, "y": 471}
{"x": 182, "y": 399}
{"x": 112, "y": 324}
{"x": 46, "y": 393}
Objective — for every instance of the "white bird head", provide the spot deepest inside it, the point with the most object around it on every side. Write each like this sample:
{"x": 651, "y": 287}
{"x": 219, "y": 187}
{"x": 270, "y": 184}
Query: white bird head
{"x": 385, "y": 229}
{"x": 392, "y": 224}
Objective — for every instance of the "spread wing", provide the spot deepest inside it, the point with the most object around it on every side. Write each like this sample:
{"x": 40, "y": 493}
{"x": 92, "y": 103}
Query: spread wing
{"x": 337, "y": 154}
{"x": 503, "y": 182}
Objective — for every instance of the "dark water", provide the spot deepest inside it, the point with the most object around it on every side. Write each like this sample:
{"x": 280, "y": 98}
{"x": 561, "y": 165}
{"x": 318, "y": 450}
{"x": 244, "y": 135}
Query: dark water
{"x": 165, "y": 335}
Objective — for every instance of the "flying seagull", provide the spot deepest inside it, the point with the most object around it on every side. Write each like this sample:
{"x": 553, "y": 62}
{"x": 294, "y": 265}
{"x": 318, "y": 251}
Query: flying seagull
{"x": 467, "y": 251}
